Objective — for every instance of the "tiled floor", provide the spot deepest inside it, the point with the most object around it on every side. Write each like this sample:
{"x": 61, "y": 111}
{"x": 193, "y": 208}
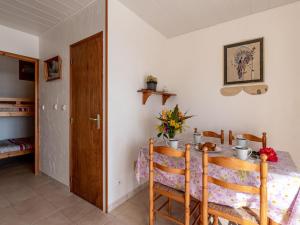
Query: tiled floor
{"x": 26, "y": 199}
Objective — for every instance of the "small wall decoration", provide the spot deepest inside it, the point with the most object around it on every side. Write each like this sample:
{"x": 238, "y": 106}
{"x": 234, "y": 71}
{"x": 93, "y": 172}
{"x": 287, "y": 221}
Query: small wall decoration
{"x": 26, "y": 70}
{"x": 243, "y": 62}
{"x": 251, "y": 90}
{"x": 52, "y": 68}
{"x": 151, "y": 82}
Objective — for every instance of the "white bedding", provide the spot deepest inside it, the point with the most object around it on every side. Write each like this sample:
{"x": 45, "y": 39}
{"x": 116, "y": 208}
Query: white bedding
{"x": 12, "y": 145}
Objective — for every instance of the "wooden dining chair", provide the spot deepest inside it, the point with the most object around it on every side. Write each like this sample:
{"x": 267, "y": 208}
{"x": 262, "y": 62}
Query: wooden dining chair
{"x": 250, "y": 137}
{"x": 157, "y": 190}
{"x": 214, "y": 135}
{"x": 242, "y": 216}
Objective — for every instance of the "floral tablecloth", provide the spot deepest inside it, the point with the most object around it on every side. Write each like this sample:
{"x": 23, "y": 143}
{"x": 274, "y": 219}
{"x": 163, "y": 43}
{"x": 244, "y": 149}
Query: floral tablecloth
{"x": 283, "y": 183}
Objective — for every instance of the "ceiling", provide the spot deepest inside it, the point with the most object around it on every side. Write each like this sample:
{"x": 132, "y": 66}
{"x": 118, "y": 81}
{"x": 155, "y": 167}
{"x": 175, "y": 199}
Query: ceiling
{"x": 175, "y": 17}
{"x": 37, "y": 16}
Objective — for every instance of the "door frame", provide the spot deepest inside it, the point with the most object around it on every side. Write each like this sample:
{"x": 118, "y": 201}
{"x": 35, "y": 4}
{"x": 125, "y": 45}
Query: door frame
{"x": 104, "y": 115}
{"x": 106, "y": 105}
{"x": 36, "y": 107}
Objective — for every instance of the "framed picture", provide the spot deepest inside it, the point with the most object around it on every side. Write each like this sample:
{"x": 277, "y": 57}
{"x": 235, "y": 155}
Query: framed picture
{"x": 52, "y": 68}
{"x": 26, "y": 71}
{"x": 243, "y": 62}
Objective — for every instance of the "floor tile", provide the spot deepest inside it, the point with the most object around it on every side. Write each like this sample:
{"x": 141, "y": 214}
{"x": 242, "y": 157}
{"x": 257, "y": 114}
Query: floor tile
{"x": 20, "y": 194}
{"x": 53, "y": 191}
{"x": 9, "y": 216}
{"x": 34, "y": 209}
{"x": 96, "y": 217}
{"x": 4, "y": 202}
{"x": 78, "y": 210}
{"x": 131, "y": 213}
{"x": 54, "y": 219}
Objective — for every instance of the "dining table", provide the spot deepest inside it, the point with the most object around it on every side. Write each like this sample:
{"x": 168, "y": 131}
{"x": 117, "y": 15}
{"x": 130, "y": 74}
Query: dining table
{"x": 283, "y": 182}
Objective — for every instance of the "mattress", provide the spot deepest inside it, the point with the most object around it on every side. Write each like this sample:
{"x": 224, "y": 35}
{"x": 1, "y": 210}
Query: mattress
{"x": 18, "y": 144}
{"x": 16, "y": 109}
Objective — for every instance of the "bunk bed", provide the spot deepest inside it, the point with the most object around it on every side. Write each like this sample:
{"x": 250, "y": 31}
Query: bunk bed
{"x": 16, "y": 107}
{"x": 16, "y": 147}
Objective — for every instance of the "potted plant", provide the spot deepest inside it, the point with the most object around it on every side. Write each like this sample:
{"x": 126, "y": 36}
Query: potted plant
{"x": 172, "y": 123}
{"x": 151, "y": 82}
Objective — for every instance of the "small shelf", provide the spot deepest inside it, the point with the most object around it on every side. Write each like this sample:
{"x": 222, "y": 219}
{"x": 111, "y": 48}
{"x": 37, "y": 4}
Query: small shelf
{"x": 14, "y": 107}
{"x": 147, "y": 93}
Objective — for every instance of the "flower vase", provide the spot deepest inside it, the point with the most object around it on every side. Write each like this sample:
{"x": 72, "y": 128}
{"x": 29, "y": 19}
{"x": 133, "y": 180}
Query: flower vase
{"x": 173, "y": 143}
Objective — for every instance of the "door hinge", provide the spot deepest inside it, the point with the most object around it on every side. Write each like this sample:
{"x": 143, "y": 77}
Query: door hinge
{"x": 71, "y": 61}
{"x": 71, "y": 120}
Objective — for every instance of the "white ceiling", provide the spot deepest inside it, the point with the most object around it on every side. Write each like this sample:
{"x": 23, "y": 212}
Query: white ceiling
{"x": 37, "y": 16}
{"x": 175, "y": 17}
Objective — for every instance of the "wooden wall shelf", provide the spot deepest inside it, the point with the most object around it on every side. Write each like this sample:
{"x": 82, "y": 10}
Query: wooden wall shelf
{"x": 147, "y": 93}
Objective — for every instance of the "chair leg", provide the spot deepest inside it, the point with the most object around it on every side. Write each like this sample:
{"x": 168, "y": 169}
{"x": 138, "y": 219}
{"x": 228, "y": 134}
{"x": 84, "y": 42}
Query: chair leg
{"x": 216, "y": 220}
{"x": 271, "y": 222}
{"x": 151, "y": 209}
{"x": 231, "y": 223}
{"x": 187, "y": 214}
{"x": 200, "y": 213}
{"x": 169, "y": 206}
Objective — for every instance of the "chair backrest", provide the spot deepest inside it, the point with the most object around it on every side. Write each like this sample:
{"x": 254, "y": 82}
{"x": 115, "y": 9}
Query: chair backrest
{"x": 167, "y": 151}
{"x": 250, "y": 137}
{"x": 214, "y": 135}
{"x": 236, "y": 164}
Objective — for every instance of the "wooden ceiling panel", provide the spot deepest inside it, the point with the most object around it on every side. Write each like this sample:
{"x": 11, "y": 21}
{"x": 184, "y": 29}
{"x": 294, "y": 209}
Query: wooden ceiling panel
{"x": 37, "y": 16}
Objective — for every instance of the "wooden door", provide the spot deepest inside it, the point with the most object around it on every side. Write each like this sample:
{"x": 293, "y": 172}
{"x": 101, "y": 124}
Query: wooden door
{"x": 86, "y": 119}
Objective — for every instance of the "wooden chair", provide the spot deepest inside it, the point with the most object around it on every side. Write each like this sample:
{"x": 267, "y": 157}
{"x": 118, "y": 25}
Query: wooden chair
{"x": 214, "y": 135}
{"x": 158, "y": 190}
{"x": 251, "y": 137}
{"x": 242, "y": 216}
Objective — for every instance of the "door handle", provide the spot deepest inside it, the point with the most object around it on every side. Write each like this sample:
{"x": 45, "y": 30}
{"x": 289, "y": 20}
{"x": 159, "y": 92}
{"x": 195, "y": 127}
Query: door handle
{"x": 97, "y": 120}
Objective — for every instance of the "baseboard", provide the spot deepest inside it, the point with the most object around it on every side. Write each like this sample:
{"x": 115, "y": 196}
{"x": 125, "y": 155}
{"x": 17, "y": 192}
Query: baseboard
{"x": 126, "y": 197}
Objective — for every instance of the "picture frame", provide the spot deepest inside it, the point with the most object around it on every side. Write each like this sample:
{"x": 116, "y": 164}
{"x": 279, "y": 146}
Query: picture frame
{"x": 244, "y": 62}
{"x": 52, "y": 68}
{"x": 26, "y": 71}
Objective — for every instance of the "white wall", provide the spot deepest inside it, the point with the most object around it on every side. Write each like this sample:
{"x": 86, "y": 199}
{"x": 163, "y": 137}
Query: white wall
{"x": 11, "y": 86}
{"x": 18, "y": 42}
{"x": 55, "y": 124}
{"x": 135, "y": 49}
{"x": 194, "y": 68}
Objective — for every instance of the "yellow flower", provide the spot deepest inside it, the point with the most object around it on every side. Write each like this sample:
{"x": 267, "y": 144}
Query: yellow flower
{"x": 177, "y": 125}
{"x": 172, "y": 123}
{"x": 170, "y": 113}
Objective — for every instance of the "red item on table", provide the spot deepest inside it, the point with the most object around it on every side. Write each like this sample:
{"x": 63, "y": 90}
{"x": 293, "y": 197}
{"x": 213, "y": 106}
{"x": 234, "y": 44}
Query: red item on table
{"x": 270, "y": 152}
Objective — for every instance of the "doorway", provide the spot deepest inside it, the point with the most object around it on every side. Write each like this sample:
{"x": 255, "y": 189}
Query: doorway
{"x": 86, "y": 124}
{"x": 21, "y": 108}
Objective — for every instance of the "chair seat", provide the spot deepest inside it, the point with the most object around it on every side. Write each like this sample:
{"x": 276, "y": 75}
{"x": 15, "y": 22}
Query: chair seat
{"x": 235, "y": 214}
{"x": 169, "y": 192}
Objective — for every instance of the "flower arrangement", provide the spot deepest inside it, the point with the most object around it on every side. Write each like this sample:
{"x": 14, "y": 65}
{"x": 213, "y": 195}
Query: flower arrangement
{"x": 172, "y": 122}
{"x": 270, "y": 152}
